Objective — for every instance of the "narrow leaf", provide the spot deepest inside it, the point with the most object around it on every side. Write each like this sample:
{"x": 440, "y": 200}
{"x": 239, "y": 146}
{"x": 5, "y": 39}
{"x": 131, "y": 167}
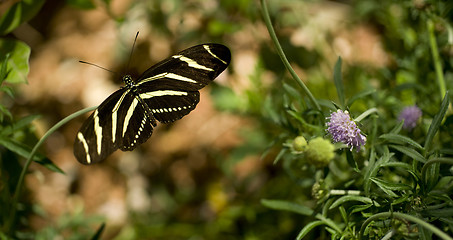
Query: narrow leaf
{"x": 20, "y": 124}
{"x": 3, "y": 69}
{"x": 339, "y": 82}
{"x": 308, "y": 229}
{"x": 400, "y": 139}
{"x": 359, "y": 96}
{"x": 287, "y": 206}
{"x": 98, "y": 233}
{"x": 435, "y": 124}
{"x": 409, "y": 152}
{"x": 47, "y": 163}
{"x": 20, "y": 12}
{"x": 18, "y": 148}
{"x": 349, "y": 198}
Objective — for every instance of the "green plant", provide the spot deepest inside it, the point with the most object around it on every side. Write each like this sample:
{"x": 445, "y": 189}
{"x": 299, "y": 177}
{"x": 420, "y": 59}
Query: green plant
{"x": 396, "y": 186}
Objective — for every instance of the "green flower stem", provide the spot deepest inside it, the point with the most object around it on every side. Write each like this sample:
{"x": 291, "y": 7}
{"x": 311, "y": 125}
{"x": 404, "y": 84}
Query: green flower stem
{"x": 433, "y": 161}
{"x": 365, "y": 114}
{"x": 436, "y": 58}
{"x": 407, "y": 217}
{"x": 19, "y": 185}
{"x": 285, "y": 61}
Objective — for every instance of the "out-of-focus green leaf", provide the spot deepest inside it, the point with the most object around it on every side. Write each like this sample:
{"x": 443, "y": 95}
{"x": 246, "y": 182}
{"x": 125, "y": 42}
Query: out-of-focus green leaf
{"x": 98, "y": 233}
{"x": 18, "y": 148}
{"x": 82, "y": 4}
{"x": 359, "y": 96}
{"x": 338, "y": 79}
{"x": 20, "y": 12}
{"x": 226, "y": 99}
{"x": 21, "y": 123}
{"x": 24, "y": 151}
{"x": 4, "y": 112}
{"x": 3, "y": 69}
{"x": 17, "y": 64}
{"x": 287, "y": 206}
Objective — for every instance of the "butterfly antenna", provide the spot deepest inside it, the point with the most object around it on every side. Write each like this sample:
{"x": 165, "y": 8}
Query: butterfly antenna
{"x": 132, "y": 50}
{"x": 92, "y": 64}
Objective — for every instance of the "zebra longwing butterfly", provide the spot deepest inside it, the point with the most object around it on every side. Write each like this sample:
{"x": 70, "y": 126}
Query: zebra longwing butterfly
{"x": 165, "y": 92}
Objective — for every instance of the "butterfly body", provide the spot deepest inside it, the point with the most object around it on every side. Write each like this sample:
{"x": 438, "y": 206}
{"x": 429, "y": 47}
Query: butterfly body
{"x": 165, "y": 92}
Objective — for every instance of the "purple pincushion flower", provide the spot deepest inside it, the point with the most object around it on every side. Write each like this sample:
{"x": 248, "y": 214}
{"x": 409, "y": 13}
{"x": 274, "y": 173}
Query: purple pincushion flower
{"x": 344, "y": 129}
{"x": 410, "y": 115}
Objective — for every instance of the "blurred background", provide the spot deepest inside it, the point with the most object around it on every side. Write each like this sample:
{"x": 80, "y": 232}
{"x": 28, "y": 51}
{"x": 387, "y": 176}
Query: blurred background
{"x": 203, "y": 176}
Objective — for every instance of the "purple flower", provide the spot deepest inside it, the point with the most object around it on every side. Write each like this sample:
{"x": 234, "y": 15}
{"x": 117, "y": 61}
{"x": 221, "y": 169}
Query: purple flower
{"x": 410, "y": 115}
{"x": 343, "y": 129}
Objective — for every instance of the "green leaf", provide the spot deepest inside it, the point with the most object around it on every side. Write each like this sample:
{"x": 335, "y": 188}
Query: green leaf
{"x": 349, "y": 198}
{"x": 291, "y": 91}
{"x": 82, "y": 4}
{"x": 18, "y": 148}
{"x": 287, "y": 206}
{"x": 308, "y": 228}
{"x": 3, "y": 71}
{"x": 374, "y": 169}
{"x": 98, "y": 233}
{"x": 47, "y": 163}
{"x": 435, "y": 124}
{"x": 397, "y": 128}
{"x": 409, "y": 152}
{"x": 17, "y": 64}
{"x": 351, "y": 161}
{"x": 360, "y": 208}
{"x": 400, "y": 139}
{"x": 23, "y": 122}
{"x": 360, "y": 95}
{"x": 339, "y": 82}
{"x": 389, "y": 187}
{"x": 24, "y": 151}
{"x": 20, "y": 12}
{"x": 8, "y": 90}
{"x": 5, "y": 112}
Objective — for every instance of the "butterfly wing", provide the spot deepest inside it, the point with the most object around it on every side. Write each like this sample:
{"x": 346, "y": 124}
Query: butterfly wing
{"x": 170, "y": 88}
{"x": 167, "y": 91}
{"x": 121, "y": 121}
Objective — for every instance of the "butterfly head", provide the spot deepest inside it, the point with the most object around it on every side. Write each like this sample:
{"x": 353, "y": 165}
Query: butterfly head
{"x": 127, "y": 79}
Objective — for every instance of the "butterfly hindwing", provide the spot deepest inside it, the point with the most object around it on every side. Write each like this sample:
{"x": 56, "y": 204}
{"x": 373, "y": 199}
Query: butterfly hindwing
{"x": 167, "y": 91}
{"x": 137, "y": 125}
{"x": 172, "y": 105}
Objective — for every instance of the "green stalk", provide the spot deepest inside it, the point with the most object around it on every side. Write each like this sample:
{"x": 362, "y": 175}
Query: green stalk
{"x": 407, "y": 217}
{"x": 13, "y": 209}
{"x": 280, "y": 52}
{"x": 436, "y": 58}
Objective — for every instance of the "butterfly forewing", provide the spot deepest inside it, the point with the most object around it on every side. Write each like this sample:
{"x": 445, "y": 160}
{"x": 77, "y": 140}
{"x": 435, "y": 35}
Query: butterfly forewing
{"x": 167, "y": 91}
{"x": 95, "y": 140}
{"x": 188, "y": 70}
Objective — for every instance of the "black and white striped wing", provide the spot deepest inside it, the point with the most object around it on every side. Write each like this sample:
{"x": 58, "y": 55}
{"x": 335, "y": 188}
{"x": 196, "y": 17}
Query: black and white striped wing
{"x": 170, "y": 88}
{"x": 167, "y": 91}
{"x": 121, "y": 121}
